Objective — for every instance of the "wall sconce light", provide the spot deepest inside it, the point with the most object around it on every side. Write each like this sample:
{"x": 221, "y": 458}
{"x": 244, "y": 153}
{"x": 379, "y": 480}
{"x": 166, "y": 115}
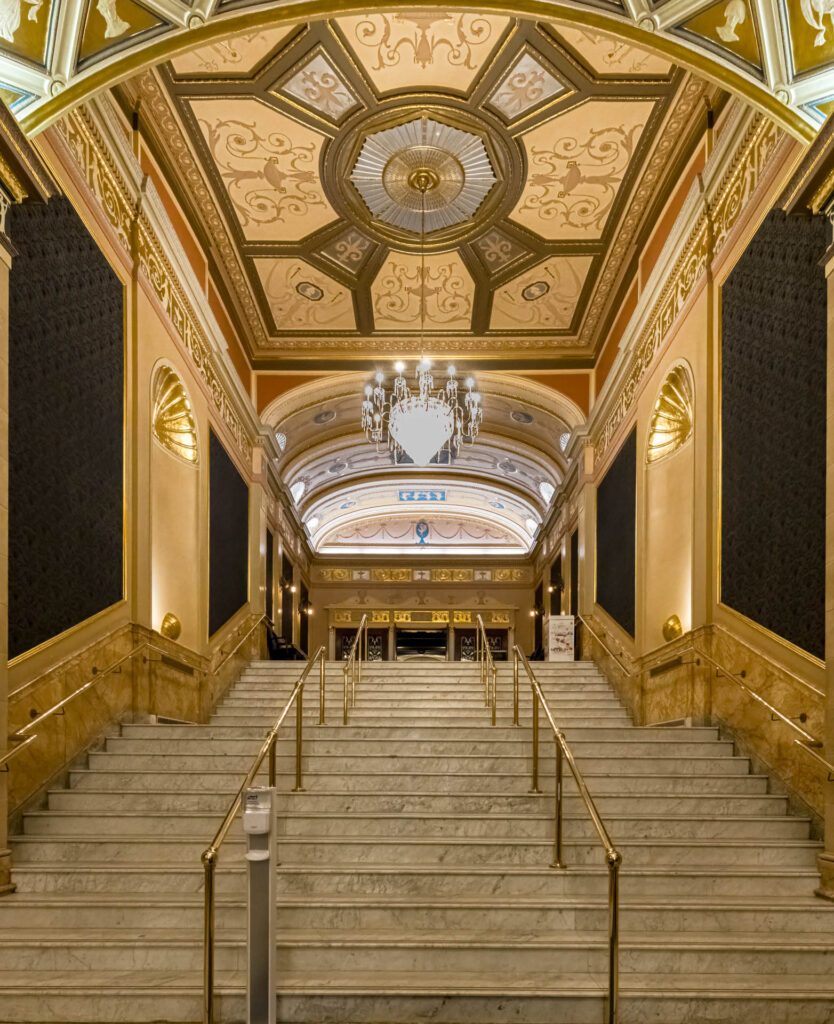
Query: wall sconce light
{"x": 309, "y": 609}
{"x": 533, "y": 613}
{"x": 550, "y": 589}
{"x": 293, "y": 588}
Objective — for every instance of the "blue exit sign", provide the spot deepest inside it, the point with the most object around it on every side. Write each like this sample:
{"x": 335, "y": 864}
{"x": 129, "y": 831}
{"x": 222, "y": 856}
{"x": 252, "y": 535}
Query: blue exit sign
{"x": 422, "y": 495}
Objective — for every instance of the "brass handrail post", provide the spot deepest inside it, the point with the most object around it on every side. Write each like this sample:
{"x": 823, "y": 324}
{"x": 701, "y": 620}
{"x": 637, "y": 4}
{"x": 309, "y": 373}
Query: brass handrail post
{"x": 614, "y": 859}
{"x": 494, "y": 692}
{"x": 322, "y": 670}
{"x": 272, "y": 771}
{"x": 534, "y": 785}
{"x": 345, "y": 672}
{"x": 515, "y": 687}
{"x": 299, "y": 719}
{"x": 209, "y": 861}
{"x": 557, "y": 810}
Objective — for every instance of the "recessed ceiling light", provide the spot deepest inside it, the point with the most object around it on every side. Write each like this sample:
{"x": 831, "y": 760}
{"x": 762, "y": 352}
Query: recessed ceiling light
{"x": 563, "y": 440}
{"x": 325, "y": 416}
{"x": 546, "y": 489}
{"x": 520, "y": 416}
{"x": 297, "y": 491}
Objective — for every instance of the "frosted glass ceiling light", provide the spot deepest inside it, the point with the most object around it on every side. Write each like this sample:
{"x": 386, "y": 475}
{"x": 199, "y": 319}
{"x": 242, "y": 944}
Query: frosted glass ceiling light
{"x": 421, "y": 420}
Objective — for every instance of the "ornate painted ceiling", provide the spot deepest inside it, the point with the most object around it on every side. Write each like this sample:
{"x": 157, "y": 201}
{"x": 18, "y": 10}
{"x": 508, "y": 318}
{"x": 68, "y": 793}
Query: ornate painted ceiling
{"x": 552, "y": 149}
{"x": 777, "y": 53}
{"x": 355, "y": 500}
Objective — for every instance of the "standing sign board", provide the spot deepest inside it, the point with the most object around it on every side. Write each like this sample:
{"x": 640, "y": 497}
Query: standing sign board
{"x": 559, "y": 637}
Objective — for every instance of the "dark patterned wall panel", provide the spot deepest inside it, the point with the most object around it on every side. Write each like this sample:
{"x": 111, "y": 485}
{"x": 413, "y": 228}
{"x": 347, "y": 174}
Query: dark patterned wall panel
{"x": 304, "y": 626}
{"x": 66, "y": 425}
{"x": 773, "y": 371}
{"x": 228, "y": 536}
{"x": 574, "y": 573}
{"x": 287, "y": 599}
{"x": 270, "y": 582}
{"x": 616, "y": 511}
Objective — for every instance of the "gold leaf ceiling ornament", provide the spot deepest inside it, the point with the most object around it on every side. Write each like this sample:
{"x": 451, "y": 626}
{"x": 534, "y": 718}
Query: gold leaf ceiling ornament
{"x": 672, "y": 420}
{"x": 173, "y": 420}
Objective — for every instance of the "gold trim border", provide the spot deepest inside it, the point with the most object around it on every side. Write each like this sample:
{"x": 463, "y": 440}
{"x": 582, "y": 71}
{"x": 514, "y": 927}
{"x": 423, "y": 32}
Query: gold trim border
{"x": 309, "y": 10}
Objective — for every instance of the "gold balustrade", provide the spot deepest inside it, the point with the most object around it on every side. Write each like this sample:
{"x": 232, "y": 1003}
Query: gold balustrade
{"x": 353, "y": 667}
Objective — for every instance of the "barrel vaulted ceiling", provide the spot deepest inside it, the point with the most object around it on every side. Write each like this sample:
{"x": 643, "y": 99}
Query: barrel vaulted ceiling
{"x": 278, "y": 141}
{"x": 490, "y": 500}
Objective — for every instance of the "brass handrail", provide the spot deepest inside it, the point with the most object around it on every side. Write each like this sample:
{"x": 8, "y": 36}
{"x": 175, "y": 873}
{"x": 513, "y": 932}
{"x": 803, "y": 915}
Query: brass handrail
{"x": 210, "y": 855}
{"x": 613, "y": 858}
{"x": 805, "y": 743}
{"x": 96, "y": 677}
{"x": 353, "y": 667}
{"x": 603, "y": 644}
{"x": 483, "y": 655}
{"x": 239, "y": 644}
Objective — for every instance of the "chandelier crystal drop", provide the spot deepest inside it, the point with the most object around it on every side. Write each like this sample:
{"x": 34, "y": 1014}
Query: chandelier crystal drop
{"x": 421, "y": 420}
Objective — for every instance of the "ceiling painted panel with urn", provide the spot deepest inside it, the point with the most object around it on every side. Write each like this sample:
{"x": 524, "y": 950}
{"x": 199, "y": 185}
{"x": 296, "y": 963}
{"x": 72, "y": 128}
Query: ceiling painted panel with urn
{"x": 547, "y": 152}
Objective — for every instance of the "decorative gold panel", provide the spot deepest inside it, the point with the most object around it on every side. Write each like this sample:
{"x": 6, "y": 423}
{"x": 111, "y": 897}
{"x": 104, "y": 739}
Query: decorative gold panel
{"x": 508, "y": 575}
{"x": 462, "y": 617}
{"x": 440, "y": 617}
{"x": 173, "y": 421}
{"x": 730, "y": 25}
{"x": 391, "y": 575}
{"x": 113, "y": 21}
{"x": 671, "y": 422}
{"x": 402, "y": 616}
{"x": 380, "y": 617}
{"x": 500, "y": 618}
{"x": 335, "y": 575}
{"x": 343, "y": 616}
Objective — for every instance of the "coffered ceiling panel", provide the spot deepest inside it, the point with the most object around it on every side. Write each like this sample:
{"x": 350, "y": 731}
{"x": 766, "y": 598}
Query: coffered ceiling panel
{"x": 302, "y": 297}
{"x": 542, "y": 172}
{"x": 443, "y": 288}
{"x": 238, "y": 55}
{"x": 544, "y": 297}
{"x": 417, "y": 49}
{"x": 268, "y": 166}
{"x": 576, "y": 166}
{"x": 605, "y": 55}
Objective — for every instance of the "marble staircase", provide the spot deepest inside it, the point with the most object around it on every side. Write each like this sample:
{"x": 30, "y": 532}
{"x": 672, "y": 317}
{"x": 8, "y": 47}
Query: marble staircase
{"x": 414, "y": 882}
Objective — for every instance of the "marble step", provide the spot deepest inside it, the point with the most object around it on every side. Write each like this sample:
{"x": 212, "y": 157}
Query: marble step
{"x": 422, "y": 951}
{"x": 385, "y": 850}
{"x": 403, "y": 783}
{"x": 349, "y": 749}
{"x": 521, "y": 916}
{"x": 104, "y": 800}
{"x": 266, "y": 718}
{"x": 575, "y": 825}
{"x": 388, "y": 997}
{"x": 414, "y": 765}
{"x": 422, "y": 882}
{"x": 399, "y": 734}
{"x": 420, "y": 702}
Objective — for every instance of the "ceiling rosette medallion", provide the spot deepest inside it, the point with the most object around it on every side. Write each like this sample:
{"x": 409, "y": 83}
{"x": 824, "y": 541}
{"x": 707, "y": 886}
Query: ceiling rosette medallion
{"x": 456, "y": 162}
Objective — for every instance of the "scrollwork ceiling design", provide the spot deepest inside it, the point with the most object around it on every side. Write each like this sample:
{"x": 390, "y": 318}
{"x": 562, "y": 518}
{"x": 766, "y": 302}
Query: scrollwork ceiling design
{"x": 553, "y": 149}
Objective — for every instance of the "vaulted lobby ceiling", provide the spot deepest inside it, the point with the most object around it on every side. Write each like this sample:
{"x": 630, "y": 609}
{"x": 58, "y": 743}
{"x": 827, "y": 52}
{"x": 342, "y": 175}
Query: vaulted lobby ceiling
{"x": 551, "y": 148}
{"x": 490, "y": 500}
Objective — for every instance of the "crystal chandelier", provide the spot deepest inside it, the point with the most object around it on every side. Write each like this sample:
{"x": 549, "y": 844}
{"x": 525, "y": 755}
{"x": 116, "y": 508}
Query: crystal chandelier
{"x": 421, "y": 420}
